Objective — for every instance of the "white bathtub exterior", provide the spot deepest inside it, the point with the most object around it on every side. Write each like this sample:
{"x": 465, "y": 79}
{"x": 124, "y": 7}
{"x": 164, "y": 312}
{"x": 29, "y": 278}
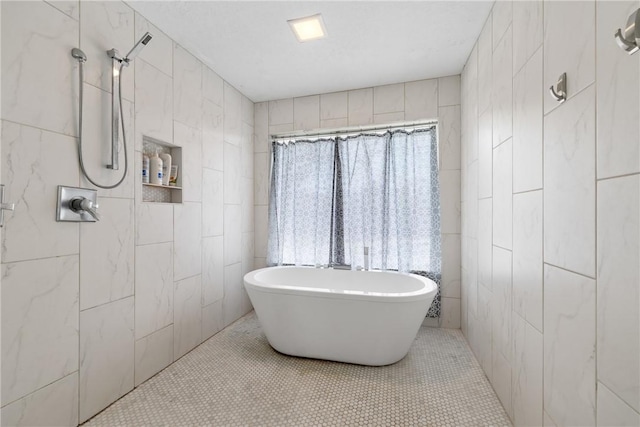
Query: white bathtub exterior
{"x": 367, "y": 318}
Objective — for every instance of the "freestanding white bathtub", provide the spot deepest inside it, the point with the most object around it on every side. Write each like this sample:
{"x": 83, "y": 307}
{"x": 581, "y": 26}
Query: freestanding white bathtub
{"x": 362, "y": 317}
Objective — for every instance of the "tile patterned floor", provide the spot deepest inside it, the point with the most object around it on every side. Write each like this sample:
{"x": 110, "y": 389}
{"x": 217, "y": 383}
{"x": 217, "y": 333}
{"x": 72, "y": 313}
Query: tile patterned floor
{"x": 235, "y": 378}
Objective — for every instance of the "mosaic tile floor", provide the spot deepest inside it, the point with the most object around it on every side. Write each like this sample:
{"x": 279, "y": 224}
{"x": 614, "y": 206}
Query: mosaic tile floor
{"x": 235, "y": 378}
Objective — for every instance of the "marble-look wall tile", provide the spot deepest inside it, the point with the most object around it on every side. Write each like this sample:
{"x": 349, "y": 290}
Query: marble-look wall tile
{"x": 33, "y": 92}
{"x": 333, "y": 106}
{"x": 232, "y": 304}
{"x": 360, "y": 107}
{"x": 212, "y": 86}
{"x": 107, "y": 248}
{"x": 470, "y": 124}
{"x": 617, "y": 95}
{"x": 247, "y": 111}
{"x": 187, "y": 245}
{"x": 386, "y": 118}
{"x": 261, "y": 141}
{"x": 484, "y": 61}
{"x": 501, "y": 302}
{"x": 106, "y": 355}
{"x": 212, "y": 320}
{"x": 53, "y": 405}
{"x": 106, "y": 25}
{"x": 483, "y": 339}
{"x": 450, "y": 201}
{"x": 449, "y": 137}
{"x": 247, "y": 205}
{"x": 262, "y": 230}
{"x": 246, "y": 151}
{"x": 154, "y": 288}
{"x": 154, "y": 104}
{"x": 612, "y": 411}
{"x": 472, "y": 277}
{"x": 232, "y": 234}
{"x": 281, "y": 112}
{"x": 502, "y": 15}
{"x": 473, "y": 199}
{"x": 232, "y": 115}
{"x": 68, "y": 7}
{"x": 485, "y": 155}
{"x": 96, "y": 143}
{"x": 448, "y": 91}
{"x": 527, "y": 125}
{"x": 40, "y": 306}
{"x": 527, "y": 257}
{"x": 212, "y": 203}
{"x": 247, "y": 252}
{"x": 212, "y": 136}
{"x": 569, "y": 185}
{"x": 569, "y": 347}
{"x": 451, "y": 273}
{"x": 160, "y": 52}
{"x": 526, "y": 379}
{"x": 187, "y": 315}
{"x": 187, "y": 88}
{"x": 306, "y": 112}
{"x": 259, "y": 263}
{"x": 153, "y": 353}
{"x": 30, "y": 231}
{"x": 503, "y": 195}
{"x": 450, "y": 313}
{"x": 421, "y": 99}
{"x": 618, "y": 294}
{"x": 262, "y": 182}
{"x": 388, "y": 99}
{"x": 485, "y": 242}
{"x": 190, "y": 139}
{"x": 154, "y": 223}
{"x": 501, "y": 380}
{"x": 212, "y": 269}
{"x": 527, "y": 31}
{"x": 569, "y": 48}
{"x": 502, "y": 90}
{"x": 232, "y": 174}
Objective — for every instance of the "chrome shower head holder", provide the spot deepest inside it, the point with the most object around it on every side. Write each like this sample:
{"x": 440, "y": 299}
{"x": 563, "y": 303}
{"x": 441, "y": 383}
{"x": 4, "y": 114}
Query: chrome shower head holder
{"x": 79, "y": 55}
{"x": 629, "y": 38}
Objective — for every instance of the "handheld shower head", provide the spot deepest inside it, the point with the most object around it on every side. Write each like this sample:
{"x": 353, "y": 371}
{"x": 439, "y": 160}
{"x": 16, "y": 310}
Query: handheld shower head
{"x": 137, "y": 48}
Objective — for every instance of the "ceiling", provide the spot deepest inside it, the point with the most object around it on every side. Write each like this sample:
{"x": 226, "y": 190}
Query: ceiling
{"x": 369, "y": 43}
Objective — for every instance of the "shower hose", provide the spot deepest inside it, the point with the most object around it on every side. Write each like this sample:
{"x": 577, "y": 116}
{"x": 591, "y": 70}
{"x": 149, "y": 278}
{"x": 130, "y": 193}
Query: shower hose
{"x": 124, "y": 137}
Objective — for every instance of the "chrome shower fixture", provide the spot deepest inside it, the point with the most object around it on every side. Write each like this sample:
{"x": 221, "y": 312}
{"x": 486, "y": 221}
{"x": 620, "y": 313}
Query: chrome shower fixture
{"x": 117, "y": 63}
{"x": 629, "y": 38}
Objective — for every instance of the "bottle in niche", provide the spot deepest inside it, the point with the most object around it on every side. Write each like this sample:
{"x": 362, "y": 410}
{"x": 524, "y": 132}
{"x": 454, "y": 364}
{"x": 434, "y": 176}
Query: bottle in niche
{"x": 166, "y": 167}
{"x": 145, "y": 169}
{"x": 155, "y": 177}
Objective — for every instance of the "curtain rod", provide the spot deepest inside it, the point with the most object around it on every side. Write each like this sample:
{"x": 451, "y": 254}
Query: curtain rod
{"x": 318, "y": 133}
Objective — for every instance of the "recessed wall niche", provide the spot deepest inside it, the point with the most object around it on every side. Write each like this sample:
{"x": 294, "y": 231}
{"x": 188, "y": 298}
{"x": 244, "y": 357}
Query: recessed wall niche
{"x": 155, "y": 193}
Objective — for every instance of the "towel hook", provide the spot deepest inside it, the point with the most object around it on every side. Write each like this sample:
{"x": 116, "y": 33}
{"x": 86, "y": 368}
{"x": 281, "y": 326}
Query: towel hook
{"x": 559, "y": 93}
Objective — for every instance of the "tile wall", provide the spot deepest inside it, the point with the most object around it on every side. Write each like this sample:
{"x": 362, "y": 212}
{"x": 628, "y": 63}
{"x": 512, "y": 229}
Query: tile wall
{"x": 551, "y": 213}
{"x": 91, "y": 310}
{"x": 419, "y": 100}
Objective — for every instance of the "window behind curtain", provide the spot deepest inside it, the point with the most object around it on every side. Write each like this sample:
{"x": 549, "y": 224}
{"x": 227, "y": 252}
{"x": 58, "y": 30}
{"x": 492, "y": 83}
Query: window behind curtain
{"x": 331, "y": 197}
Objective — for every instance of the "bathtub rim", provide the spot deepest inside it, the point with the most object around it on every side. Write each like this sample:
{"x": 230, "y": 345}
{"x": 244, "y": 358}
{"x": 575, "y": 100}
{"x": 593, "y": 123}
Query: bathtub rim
{"x": 427, "y": 291}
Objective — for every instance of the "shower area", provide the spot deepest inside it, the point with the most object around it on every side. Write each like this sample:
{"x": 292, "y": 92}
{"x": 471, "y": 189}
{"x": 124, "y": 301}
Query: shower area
{"x": 539, "y": 178}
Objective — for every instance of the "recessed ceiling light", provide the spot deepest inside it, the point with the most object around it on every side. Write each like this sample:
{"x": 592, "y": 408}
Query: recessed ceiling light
{"x": 308, "y": 28}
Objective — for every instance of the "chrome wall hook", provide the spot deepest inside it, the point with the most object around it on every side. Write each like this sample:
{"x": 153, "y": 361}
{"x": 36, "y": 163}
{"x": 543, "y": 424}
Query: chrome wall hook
{"x": 629, "y": 38}
{"x": 559, "y": 93}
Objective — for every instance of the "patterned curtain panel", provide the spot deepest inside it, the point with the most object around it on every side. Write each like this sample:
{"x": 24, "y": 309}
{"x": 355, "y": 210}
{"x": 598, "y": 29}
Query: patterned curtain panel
{"x": 330, "y": 198}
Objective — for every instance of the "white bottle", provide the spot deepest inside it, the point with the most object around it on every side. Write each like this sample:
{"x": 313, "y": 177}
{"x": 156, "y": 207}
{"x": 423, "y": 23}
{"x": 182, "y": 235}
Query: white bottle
{"x": 145, "y": 169}
{"x": 166, "y": 167}
{"x": 155, "y": 177}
